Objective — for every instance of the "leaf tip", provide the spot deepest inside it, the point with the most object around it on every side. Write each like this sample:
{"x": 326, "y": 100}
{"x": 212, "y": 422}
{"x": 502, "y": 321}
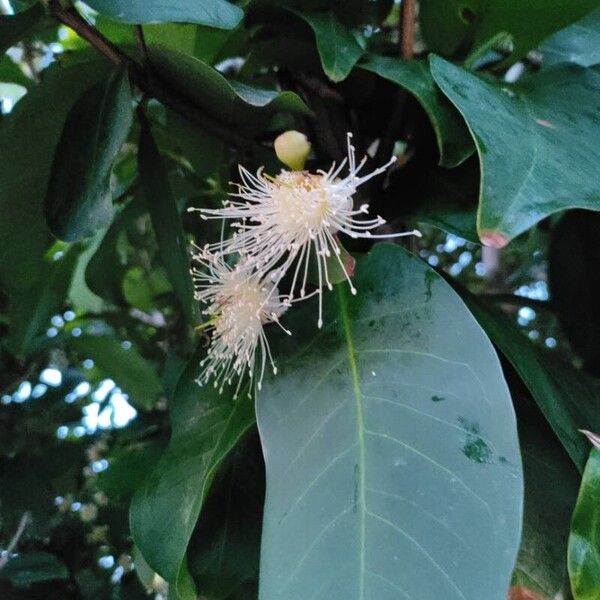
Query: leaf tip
{"x": 493, "y": 239}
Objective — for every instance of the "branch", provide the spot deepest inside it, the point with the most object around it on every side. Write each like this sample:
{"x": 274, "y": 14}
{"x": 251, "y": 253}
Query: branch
{"x": 25, "y": 519}
{"x": 408, "y": 28}
{"x": 150, "y": 86}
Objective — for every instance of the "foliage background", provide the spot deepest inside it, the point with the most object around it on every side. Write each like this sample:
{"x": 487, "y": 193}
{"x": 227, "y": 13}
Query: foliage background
{"x": 117, "y": 116}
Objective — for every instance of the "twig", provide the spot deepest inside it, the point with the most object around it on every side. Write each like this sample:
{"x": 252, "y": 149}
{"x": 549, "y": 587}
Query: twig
{"x": 25, "y": 519}
{"x": 407, "y": 38}
{"x": 148, "y": 85}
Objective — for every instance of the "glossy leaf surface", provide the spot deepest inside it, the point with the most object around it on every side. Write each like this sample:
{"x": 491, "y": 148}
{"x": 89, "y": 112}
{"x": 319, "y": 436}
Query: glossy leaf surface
{"x": 79, "y": 197}
{"x": 337, "y": 46}
{"x": 164, "y": 511}
{"x": 33, "y": 141}
{"x": 554, "y": 165}
{"x": 215, "y": 13}
{"x": 579, "y": 43}
{"x": 228, "y": 101}
{"x": 392, "y": 461}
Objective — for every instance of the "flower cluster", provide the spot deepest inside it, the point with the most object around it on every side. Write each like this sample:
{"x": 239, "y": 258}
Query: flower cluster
{"x": 282, "y": 225}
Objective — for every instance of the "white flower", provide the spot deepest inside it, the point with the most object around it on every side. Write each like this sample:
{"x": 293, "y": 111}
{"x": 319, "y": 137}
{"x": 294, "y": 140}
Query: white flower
{"x": 239, "y": 304}
{"x": 282, "y": 222}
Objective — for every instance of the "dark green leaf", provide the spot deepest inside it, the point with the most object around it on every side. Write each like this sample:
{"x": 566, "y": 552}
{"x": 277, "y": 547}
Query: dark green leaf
{"x": 32, "y": 308}
{"x": 337, "y": 46}
{"x": 551, "y": 484}
{"x": 11, "y": 73}
{"x": 574, "y": 280}
{"x": 79, "y": 197}
{"x": 29, "y": 135}
{"x": 568, "y": 398}
{"x": 127, "y": 470}
{"x": 13, "y": 28}
{"x": 538, "y": 151}
{"x": 176, "y": 36}
{"x": 584, "y": 541}
{"x": 224, "y": 551}
{"x": 449, "y": 201}
{"x": 453, "y": 137}
{"x": 578, "y": 43}
{"x": 133, "y": 374}
{"x": 226, "y": 101}
{"x": 159, "y": 198}
{"x": 105, "y": 271}
{"x": 205, "y": 427}
{"x": 33, "y": 567}
{"x": 181, "y": 138}
{"x": 452, "y": 25}
{"x": 390, "y": 443}
{"x": 216, "y": 13}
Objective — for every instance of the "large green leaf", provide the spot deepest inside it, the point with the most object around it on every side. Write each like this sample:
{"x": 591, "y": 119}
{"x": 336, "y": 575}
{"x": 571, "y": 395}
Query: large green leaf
{"x": 13, "y": 28}
{"x": 228, "y": 101}
{"x": 453, "y": 137}
{"x": 164, "y": 511}
{"x": 216, "y": 13}
{"x": 32, "y": 308}
{"x": 159, "y": 198}
{"x": 79, "y": 198}
{"x": 451, "y": 25}
{"x": 338, "y": 48}
{"x": 584, "y": 541}
{"x": 132, "y": 373}
{"x": 538, "y": 151}
{"x": 29, "y": 135}
{"x": 393, "y": 467}
{"x": 578, "y": 43}
{"x": 568, "y": 398}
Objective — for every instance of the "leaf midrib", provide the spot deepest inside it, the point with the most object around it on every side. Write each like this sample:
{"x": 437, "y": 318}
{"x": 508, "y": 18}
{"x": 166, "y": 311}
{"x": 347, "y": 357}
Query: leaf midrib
{"x": 360, "y": 499}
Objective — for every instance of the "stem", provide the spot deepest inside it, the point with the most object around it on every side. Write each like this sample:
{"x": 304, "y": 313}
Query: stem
{"x": 150, "y": 86}
{"x": 408, "y": 28}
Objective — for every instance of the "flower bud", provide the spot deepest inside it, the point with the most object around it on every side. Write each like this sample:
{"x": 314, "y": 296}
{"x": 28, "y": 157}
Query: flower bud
{"x": 292, "y": 149}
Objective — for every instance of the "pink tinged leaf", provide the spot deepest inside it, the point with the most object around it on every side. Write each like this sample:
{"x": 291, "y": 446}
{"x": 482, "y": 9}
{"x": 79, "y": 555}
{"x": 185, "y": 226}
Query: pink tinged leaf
{"x": 494, "y": 239}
